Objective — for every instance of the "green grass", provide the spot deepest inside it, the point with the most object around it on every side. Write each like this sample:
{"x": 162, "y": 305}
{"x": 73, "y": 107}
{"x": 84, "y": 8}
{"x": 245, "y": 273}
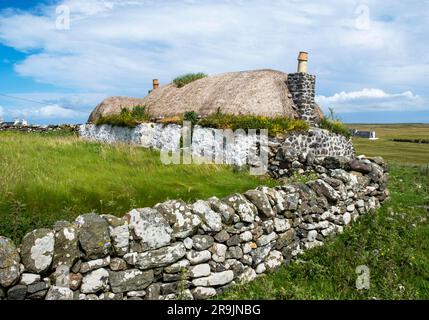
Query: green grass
{"x": 185, "y": 79}
{"x": 335, "y": 126}
{"x": 395, "y": 152}
{"x": 278, "y": 125}
{"x": 46, "y": 178}
{"x": 393, "y": 243}
{"x": 126, "y": 118}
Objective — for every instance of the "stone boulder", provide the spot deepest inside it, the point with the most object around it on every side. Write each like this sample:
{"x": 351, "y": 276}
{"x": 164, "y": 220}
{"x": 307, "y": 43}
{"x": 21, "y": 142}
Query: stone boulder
{"x": 95, "y": 281}
{"x": 260, "y": 200}
{"x": 215, "y": 279}
{"x": 211, "y": 220}
{"x": 9, "y": 262}
{"x": 149, "y": 227}
{"x": 66, "y": 248}
{"x": 156, "y": 258}
{"x": 130, "y": 280}
{"x": 180, "y": 217}
{"x": 94, "y": 237}
{"x": 246, "y": 210}
{"x": 37, "y": 250}
{"x": 119, "y": 234}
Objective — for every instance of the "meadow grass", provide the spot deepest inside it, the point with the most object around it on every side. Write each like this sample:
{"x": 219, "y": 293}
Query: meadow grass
{"x": 46, "y": 178}
{"x": 395, "y": 152}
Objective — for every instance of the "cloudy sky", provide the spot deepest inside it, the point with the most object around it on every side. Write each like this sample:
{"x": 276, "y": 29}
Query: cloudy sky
{"x": 370, "y": 57}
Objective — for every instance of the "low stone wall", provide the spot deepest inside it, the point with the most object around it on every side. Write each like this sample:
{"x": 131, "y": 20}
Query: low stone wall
{"x": 39, "y": 128}
{"x": 190, "y": 251}
{"x": 282, "y": 151}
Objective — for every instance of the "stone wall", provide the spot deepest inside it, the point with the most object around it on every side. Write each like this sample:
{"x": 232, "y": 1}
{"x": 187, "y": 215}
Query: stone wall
{"x": 297, "y": 152}
{"x": 176, "y": 250}
{"x": 302, "y": 86}
{"x": 282, "y": 151}
{"x": 38, "y": 128}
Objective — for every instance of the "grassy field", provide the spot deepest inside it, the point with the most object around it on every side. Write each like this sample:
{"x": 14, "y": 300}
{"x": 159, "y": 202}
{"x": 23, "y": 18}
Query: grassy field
{"x": 393, "y": 242}
{"x": 48, "y": 178}
{"x": 395, "y": 152}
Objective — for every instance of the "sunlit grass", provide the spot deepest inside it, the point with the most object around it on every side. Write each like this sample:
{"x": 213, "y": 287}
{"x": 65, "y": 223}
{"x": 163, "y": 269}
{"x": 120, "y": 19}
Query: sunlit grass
{"x": 46, "y": 178}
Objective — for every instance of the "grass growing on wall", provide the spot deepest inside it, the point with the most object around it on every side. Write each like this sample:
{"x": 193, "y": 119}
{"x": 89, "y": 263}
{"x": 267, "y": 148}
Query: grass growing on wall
{"x": 335, "y": 126}
{"x": 393, "y": 243}
{"x": 185, "y": 79}
{"x": 278, "y": 125}
{"x": 46, "y": 178}
{"x": 126, "y": 118}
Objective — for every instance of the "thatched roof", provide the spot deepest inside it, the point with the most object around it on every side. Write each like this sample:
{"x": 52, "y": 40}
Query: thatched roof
{"x": 261, "y": 92}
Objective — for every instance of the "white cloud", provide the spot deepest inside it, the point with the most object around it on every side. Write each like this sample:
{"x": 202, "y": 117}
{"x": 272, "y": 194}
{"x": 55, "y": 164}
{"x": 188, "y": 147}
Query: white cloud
{"x": 373, "y": 99}
{"x": 1, "y": 112}
{"x": 365, "y": 94}
{"x": 52, "y": 111}
{"x": 116, "y": 47}
{"x": 121, "y": 45}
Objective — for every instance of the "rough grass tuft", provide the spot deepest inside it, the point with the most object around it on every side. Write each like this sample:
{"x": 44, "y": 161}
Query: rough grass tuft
{"x": 127, "y": 118}
{"x": 185, "y": 79}
{"x": 275, "y": 126}
{"x": 335, "y": 126}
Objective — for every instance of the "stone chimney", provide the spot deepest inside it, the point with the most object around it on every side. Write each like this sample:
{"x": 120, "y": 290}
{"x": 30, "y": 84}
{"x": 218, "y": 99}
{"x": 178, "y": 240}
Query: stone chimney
{"x": 24, "y": 122}
{"x": 302, "y": 87}
{"x": 302, "y": 62}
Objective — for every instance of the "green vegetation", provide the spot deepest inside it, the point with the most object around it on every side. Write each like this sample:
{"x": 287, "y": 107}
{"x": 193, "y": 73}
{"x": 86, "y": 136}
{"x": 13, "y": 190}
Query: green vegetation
{"x": 127, "y": 118}
{"x": 395, "y": 152}
{"x": 218, "y": 120}
{"x": 393, "y": 243}
{"x": 46, "y": 178}
{"x": 333, "y": 124}
{"x": 191, "y": 116}
{"x": 185, "y": 79}
{"x": 275, "y": 126}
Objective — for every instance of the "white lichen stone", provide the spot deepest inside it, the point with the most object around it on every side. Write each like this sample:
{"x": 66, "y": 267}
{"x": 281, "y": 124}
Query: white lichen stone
{"x": 95, "y": 281}
{"x": 215, "y": 279}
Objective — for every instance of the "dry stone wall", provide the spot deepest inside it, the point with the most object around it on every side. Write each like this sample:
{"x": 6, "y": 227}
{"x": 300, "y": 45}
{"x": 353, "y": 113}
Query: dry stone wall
{"x": 178, "y": 250}
{"x": 38, "y": 128}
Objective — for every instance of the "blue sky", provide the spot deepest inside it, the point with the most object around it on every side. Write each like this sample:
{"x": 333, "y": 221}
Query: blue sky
{"x": 370, "y": 57}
